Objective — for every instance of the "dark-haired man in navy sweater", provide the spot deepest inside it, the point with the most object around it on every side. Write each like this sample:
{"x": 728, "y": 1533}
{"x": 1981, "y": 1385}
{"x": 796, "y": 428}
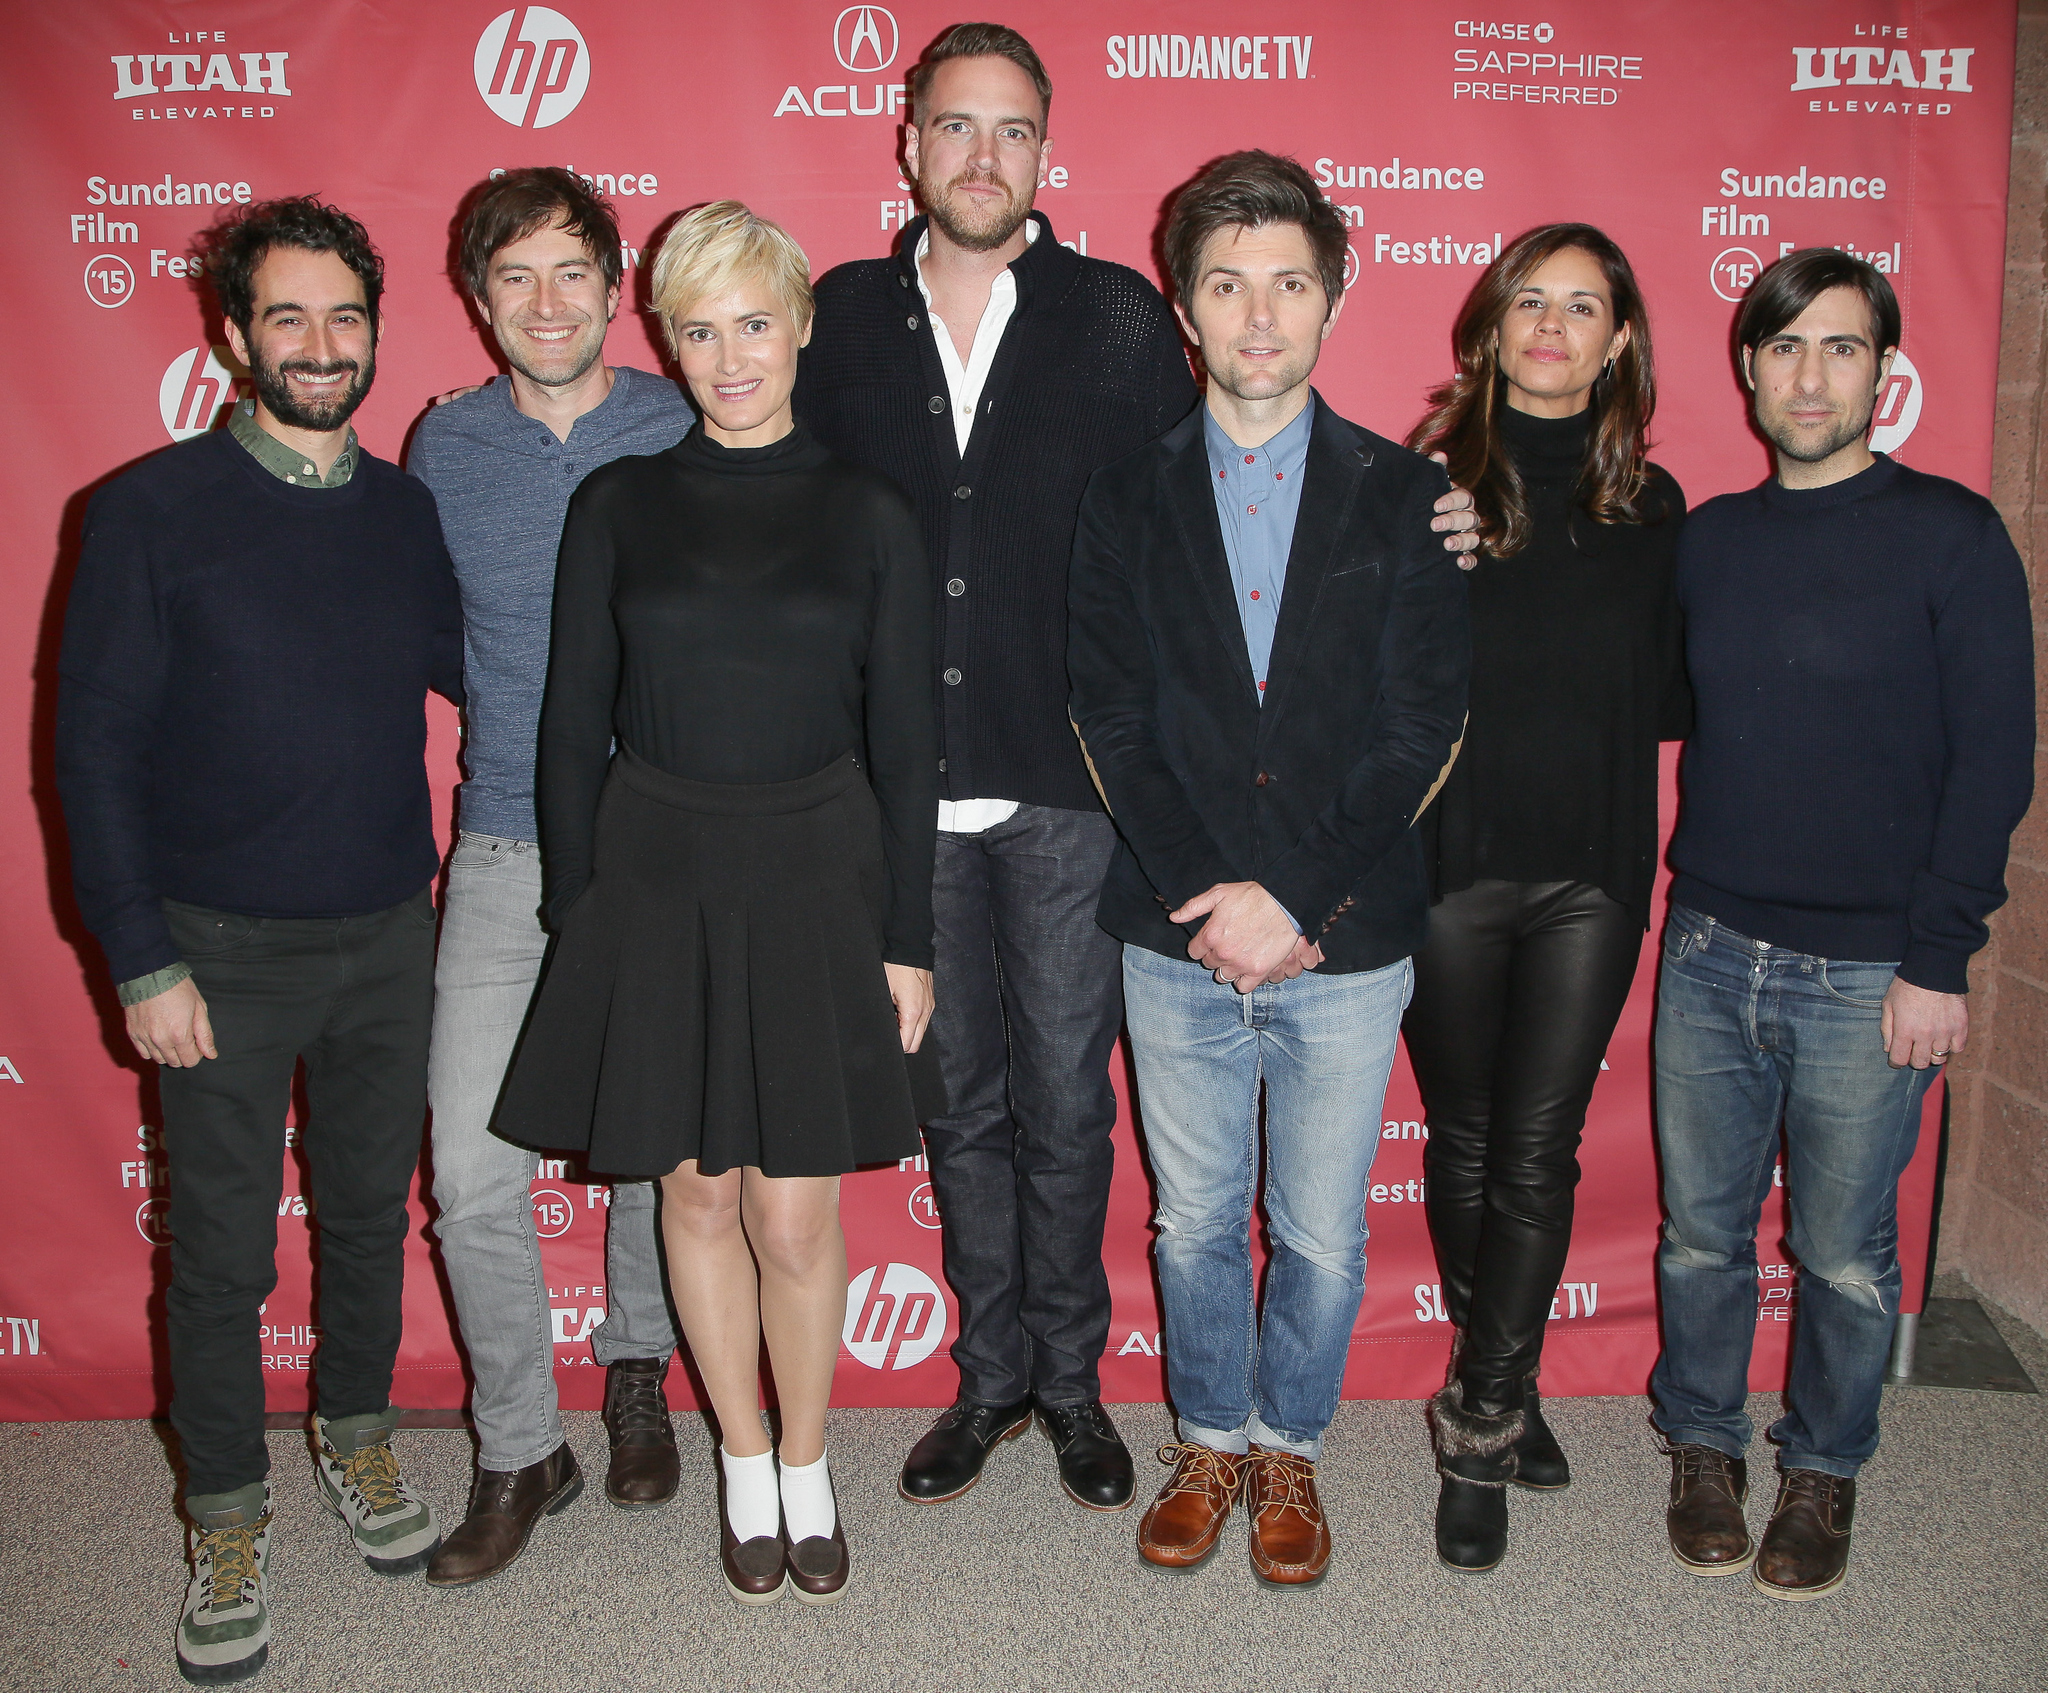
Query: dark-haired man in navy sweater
{"x": 258, "y": 616}
{"x": 1858, "y": 636}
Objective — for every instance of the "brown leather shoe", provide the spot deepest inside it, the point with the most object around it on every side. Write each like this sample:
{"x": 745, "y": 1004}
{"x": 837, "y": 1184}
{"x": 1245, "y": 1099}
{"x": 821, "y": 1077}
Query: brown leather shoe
{"x": 756, "y": 1570}
{"x": 1183, "y": 1524}
{"x": 502, "y": 1507}
{"x": 1290, "y": 1541}
{"x": 1709, "y": 1534}
{"x": 1805, "y": 1550}
{"x": 818, "y": 1567}
{"x": 644, "y": 1469}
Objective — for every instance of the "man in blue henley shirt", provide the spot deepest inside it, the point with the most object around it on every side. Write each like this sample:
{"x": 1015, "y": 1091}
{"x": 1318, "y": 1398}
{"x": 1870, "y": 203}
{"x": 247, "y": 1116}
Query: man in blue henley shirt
{"x": 541, "y": 258}
{"x": 1858, "y": 637}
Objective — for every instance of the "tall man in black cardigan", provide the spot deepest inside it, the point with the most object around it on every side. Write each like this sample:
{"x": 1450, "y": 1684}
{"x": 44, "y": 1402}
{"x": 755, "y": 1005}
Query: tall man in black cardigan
{"x": 257, "y": 618}
{"x": 1269, "y": 661}
{"x": 990, "y": 371}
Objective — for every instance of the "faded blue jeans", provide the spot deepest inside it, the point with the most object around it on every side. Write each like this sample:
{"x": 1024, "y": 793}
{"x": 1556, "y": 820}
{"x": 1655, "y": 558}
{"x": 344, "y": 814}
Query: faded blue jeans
{"x": 1323, "y": 1046}
{"x": 1749, "y": 1035}
{"x": 490, "y": 956}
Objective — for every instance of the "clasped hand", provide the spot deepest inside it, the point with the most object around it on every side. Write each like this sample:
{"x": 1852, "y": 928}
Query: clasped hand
{"x": 1248, "y": 940}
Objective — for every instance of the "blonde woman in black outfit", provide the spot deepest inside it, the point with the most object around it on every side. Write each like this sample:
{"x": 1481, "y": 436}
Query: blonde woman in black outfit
{"x": 743, "y": 889}
{"x": 1544, "y": 838}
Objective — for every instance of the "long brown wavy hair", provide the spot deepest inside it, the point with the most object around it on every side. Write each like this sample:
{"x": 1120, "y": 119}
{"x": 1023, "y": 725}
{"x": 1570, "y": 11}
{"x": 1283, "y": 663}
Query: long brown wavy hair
{"x": 1463, "y": 420}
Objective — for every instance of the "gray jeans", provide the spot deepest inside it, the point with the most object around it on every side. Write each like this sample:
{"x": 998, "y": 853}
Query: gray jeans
{"x": 492, "y": 944}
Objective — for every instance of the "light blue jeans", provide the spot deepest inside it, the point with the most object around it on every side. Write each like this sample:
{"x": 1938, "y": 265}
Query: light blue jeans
{"x": 492, "y": 944}
{"x": 1749, "y": 1035}
{"x": 1322, "y": 1046}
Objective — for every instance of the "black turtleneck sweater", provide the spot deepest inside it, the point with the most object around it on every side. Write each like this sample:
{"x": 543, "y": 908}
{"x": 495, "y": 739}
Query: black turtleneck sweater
{"x": 743, "y": 615}
{"x": 1577, "y": 673}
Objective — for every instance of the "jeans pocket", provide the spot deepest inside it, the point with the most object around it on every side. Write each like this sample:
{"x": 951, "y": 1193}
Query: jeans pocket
{"x": 420, "y": 908}
{"x": 1679, "y": 940}
{"x": 201, "y": 933}
{"x": 1861, "y": 985}
{"x": 479, "y": 852}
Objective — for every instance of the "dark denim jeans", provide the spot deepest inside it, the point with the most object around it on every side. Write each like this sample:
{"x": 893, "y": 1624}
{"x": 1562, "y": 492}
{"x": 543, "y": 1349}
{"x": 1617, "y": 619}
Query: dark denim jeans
{"x": 1029, "y": 999}
{"x": 1749, "y": 1034}
{"x": 353, "y": 997}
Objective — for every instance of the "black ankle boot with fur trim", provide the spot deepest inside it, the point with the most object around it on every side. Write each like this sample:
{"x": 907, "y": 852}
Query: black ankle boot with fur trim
{"x": 1475, "y": 1455}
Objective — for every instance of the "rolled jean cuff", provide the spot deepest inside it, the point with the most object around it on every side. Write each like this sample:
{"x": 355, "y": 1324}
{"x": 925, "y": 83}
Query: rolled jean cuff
{"x": 1714, "y": 1440}
{"x": 1273, "y": 1441}
{"x": 1843, "y": 1468}
{"x": 1236, "y": 1440}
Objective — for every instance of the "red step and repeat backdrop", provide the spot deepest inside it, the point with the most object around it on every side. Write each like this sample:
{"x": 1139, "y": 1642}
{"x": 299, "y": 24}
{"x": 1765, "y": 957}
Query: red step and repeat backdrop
{"x": 1707, "y": 140}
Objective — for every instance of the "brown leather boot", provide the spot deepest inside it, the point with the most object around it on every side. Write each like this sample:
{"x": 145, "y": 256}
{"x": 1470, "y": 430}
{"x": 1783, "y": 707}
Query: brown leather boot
{"x": 1290, "y": 1541}
{"x": 644, "y": 1469}
{"x": 1183, "y": 1524}
{"x": 503, "y": 1505}
{"x": 1709, "y": 1534}
{"x": 1805, "y": 1550}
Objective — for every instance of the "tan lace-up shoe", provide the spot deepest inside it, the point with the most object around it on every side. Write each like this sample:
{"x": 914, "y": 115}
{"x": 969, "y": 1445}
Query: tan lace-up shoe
{"x": 1182, "y": 1527}
{"x": 1290, "y": 1541}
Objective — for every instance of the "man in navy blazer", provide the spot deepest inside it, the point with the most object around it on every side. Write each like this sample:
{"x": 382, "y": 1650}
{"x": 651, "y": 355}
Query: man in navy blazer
{"x": 1269, "y": 656}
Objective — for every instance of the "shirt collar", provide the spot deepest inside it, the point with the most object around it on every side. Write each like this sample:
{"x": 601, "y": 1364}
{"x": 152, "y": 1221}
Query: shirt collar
{"x": 1006, "y": 280}
{"x": 1286, "y": 451}
{"x": 286, "y": 463}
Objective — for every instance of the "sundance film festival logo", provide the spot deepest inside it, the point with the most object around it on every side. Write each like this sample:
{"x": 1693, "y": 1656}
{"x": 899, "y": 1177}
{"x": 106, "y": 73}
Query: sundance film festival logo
{"x": 532, "y": 67}
{"x": 196, "y": 385}
{"x": 895, "y": 1317}
{"x": 864, "y": 38}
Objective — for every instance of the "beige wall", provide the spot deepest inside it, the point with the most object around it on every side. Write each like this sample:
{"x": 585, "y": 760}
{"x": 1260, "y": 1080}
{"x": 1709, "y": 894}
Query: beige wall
{"x": 1994, "y": 1221}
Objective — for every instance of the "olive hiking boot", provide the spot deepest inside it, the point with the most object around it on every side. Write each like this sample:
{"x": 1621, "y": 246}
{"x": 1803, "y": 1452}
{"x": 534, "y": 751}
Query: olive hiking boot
{"x": 224, "y": 1630}
{"x": 393, "y": 1527}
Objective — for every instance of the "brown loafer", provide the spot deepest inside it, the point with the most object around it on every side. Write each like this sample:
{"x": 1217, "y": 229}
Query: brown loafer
{"x": 503, "y": 1506}
{"x": 1709, "y": 1535}
{"x": 644, "y": 1468}
{"x": 1182, "y": 1525}
{"x": 756, "y": 1570}
{"x": 1805, "y": 1550}
{"x": 818, "y": 1567}
{"x": 1290, "y": 1541}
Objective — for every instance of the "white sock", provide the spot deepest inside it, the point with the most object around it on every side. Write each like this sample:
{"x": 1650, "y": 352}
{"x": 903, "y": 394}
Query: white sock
{"x": 807, "y": 1506}
{"x": 750, "y": 1503}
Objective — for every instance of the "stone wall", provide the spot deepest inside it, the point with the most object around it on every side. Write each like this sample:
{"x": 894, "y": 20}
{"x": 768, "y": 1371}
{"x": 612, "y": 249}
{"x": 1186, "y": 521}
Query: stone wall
{"x": 1994, "y": 1220}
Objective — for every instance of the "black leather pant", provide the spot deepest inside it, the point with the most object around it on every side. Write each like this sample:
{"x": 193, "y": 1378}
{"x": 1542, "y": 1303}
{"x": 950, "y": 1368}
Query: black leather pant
{"x": 1517, "y": 991}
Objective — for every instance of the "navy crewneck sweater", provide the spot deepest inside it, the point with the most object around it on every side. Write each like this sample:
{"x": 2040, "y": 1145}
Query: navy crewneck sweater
{"x": 1862, "y": 669}
{"x": 241, "y": 719}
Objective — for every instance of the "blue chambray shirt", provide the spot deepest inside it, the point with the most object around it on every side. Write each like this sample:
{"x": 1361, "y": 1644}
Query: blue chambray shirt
{"x": 1258, "y": 495}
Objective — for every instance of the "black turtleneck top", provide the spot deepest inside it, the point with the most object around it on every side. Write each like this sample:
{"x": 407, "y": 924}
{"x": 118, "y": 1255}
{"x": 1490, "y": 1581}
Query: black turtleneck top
{"x": 743, "y": 615}
{"x": 1577, "y": 673}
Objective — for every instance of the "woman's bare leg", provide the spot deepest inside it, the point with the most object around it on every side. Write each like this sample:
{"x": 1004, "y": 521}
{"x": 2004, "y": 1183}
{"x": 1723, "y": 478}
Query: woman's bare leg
{"x": 711, "y": 1273}
{"x": 792, "y": 1222}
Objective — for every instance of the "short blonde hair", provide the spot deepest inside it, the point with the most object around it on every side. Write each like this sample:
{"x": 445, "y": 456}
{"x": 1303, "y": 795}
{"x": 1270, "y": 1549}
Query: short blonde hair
{"x": 715, "y": 247}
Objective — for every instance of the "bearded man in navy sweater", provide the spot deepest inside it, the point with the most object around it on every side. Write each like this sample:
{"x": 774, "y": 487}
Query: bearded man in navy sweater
{"x": 258, "y": 616}
{"x": 1861, "y": 656}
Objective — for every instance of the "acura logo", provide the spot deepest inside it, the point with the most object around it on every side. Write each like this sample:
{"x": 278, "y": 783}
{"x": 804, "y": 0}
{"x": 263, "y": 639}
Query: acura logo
{"x": 864, "y": 37}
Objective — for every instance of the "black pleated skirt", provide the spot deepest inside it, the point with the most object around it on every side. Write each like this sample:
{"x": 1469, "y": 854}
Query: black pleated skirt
{"x": 717, "y": 992}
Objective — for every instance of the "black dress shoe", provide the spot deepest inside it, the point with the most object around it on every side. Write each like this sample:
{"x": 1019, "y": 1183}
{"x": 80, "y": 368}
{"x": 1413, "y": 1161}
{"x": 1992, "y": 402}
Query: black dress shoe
{"x": 644, "y": 1468}
{"x": 948, "y": 1460}
{"x": 1539, "y": 1460}
{"x": 1095, "y": 1465}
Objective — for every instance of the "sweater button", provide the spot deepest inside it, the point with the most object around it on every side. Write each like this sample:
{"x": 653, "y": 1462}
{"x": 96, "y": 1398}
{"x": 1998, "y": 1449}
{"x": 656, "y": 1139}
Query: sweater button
{"x": 952, "y": 678}
{"x": 936, "y": 404}
{"x": 911, "y": 321}
{"x": 956, "y": 587}
{"x": 1263, "y": 779}
{"x": 963, "y": 492}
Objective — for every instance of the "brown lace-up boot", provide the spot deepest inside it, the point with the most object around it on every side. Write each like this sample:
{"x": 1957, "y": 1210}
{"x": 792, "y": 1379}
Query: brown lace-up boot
{"x": 1290, "y": 1541}
{"x": 1184, "y": 1522}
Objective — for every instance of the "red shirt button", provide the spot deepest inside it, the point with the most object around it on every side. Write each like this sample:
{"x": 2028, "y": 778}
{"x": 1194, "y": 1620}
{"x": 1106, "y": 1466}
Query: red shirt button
{"x": 1255, "y": 593}
{"x": 1248, "y": 458}
{"x": 1254, "y": 510}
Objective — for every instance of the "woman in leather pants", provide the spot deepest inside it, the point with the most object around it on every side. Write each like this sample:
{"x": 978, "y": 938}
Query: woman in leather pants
{"x": 1543, "y": 842}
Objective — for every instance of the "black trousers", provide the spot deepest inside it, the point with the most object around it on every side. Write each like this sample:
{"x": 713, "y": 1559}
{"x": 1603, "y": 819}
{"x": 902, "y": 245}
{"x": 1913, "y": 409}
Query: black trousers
{"x": 1517, "y": 991}
{"x": 1030, "y": 995}
{"x": 354, "y": 997}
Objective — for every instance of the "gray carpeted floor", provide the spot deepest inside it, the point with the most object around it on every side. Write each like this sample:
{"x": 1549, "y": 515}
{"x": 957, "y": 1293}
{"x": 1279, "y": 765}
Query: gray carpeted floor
{"x": 1013, "y": 1587}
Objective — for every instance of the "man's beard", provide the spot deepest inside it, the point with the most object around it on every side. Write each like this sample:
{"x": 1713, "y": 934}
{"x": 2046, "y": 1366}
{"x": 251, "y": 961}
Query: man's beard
{"x": 592, "y": 352}
{"x": 1789, "y": 441}
{"x": 988, "y": 230}
{"x": 317, "y": 415}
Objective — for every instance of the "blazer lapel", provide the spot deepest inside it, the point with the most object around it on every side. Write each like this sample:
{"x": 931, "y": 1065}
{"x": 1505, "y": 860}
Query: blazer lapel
{"x": 1336, "y": 467}
{"x": 1192, "y": 501}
